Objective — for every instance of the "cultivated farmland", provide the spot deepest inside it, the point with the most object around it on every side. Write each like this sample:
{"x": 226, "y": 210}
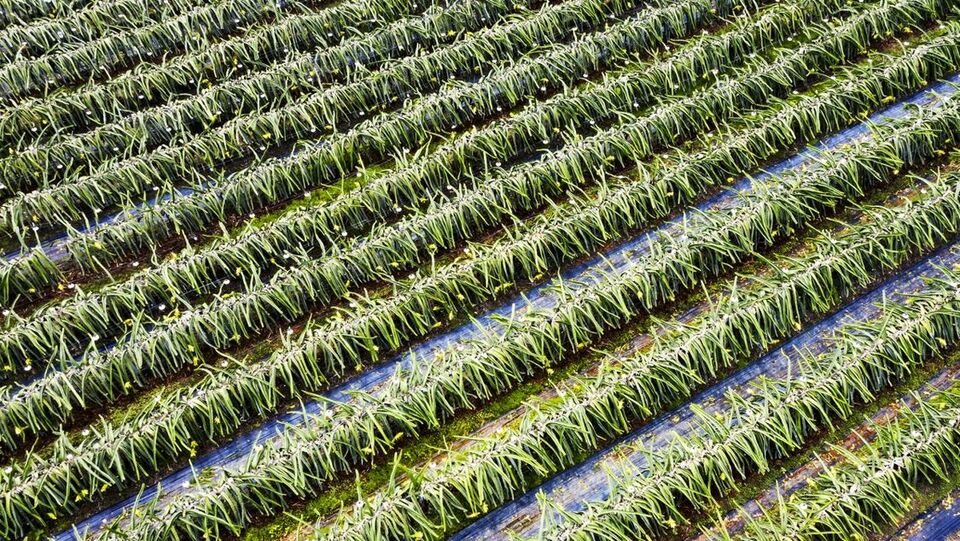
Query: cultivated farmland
{"x": 478, "y": 269}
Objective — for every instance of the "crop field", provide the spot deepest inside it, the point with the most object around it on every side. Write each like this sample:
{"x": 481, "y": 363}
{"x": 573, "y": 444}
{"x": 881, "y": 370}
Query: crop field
{"x": 367, "y": 270}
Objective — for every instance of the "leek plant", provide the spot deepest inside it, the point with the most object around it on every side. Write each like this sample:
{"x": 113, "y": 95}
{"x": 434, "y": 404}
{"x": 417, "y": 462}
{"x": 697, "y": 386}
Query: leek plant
{"x": 46, "y": 402}
{"x": 875, "y": 485}
{"x": 260, "y": 87}
{"x": 172, "y": 343}
{"x": 99, "y": 102}
{"x": 25, "y": 276}
{"x": 320, "y": 164}
{"x": 176, "y": 342}
{"x": 772, "y": 421}
{"x": 545, "y": 68}
{"x": 278, "y": 181}
{"x": 384, "y": 197}
{"x": 90, "y": 23}
{"x": 23, "y": 265}
{"x": 191, "y": 30}
{"x": 14, "y": 12}
{"x": 738, "y": 324}
{"x": 315, "y": 113}
{"x": 424, "y": 394}
{"x": 563, "y": 159}
{"x": 74, "y": 201}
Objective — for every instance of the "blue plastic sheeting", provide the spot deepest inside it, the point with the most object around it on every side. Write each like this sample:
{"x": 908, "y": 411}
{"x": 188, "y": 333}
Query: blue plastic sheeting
{"x": 588, "y": 481}
{"x": 798, "y": 478}
{"x": 939, "y": 522}
{"x": 233, "y": 454}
